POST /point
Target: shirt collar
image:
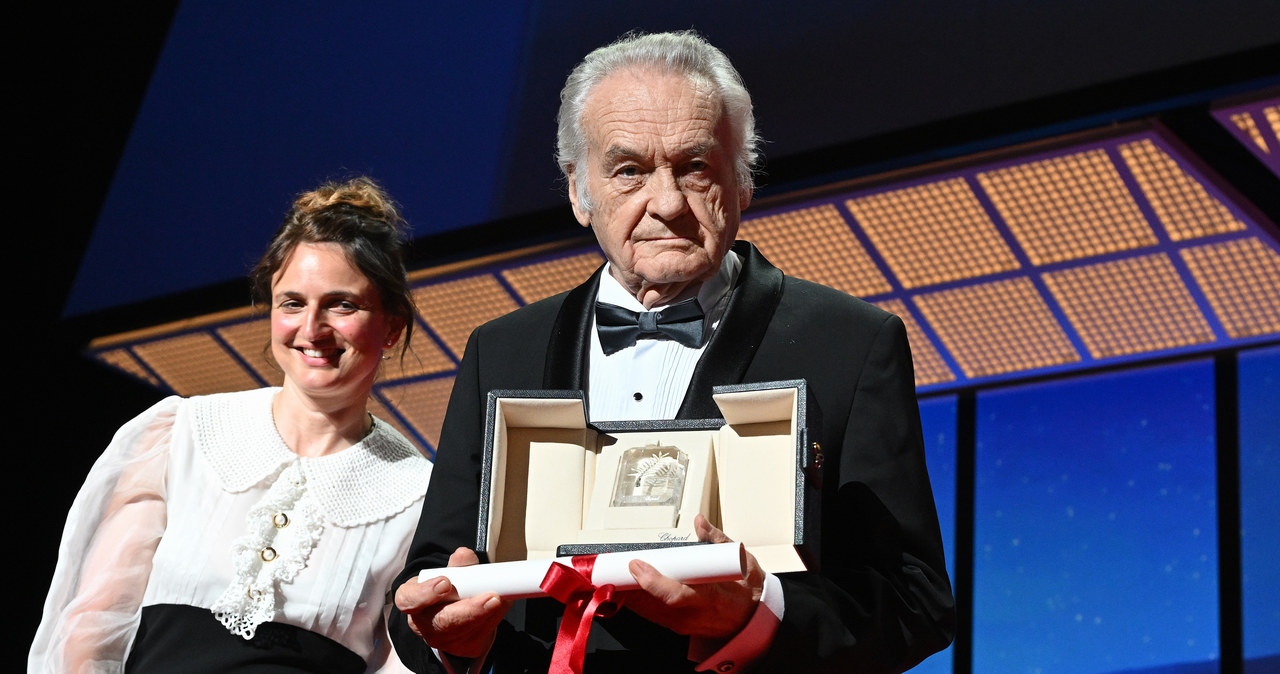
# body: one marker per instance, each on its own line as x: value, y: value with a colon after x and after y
x: 710, y: 295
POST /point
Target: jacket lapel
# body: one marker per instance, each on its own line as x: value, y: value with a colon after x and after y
x: 567, y: 348
x: 739, y: 335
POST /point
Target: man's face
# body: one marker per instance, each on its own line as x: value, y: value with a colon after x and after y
x: 660, y: 174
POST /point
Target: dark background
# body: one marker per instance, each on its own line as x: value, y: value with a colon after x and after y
x: 842, y: 89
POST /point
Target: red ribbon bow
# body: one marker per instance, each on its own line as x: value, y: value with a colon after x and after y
x: 583, y: 602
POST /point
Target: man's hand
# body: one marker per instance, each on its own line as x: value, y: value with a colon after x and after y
x: 715, y: 611
x: 459, y: 627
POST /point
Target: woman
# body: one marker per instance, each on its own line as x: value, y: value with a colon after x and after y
x: 259, y: 529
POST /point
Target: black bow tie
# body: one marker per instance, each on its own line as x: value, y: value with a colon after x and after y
x: 620, y: 328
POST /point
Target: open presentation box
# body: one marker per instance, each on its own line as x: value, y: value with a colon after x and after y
x: 552, y: 482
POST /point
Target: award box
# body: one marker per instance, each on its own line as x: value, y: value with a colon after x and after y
x: 553, y: 484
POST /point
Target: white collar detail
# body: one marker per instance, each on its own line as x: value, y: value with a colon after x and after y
x: 372, y: 480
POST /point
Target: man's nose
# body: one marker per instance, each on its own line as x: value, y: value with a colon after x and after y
x: 666, y: 200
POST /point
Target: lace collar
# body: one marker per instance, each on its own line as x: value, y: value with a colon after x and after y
x: 374, y: 479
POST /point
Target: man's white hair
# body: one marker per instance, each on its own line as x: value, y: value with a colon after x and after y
x: 685, y: 53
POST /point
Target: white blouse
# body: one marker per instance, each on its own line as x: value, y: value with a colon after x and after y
x: 199, y: 502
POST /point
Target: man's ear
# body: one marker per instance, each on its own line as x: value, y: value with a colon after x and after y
x: 744, y: 198
x: 583, y: 216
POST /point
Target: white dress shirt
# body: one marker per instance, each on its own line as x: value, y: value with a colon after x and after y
x: 649, y: 381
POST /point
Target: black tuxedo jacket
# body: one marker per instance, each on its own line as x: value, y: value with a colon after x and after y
x: 882, y: 601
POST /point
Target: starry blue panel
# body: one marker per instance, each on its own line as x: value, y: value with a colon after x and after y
x: 1096, y: 524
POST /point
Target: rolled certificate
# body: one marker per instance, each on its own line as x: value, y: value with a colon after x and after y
x: 693, y: 564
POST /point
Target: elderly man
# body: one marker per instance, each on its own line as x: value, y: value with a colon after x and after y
x: 657, y: 140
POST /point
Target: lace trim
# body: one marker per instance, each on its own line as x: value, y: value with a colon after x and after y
x: 283, y: 528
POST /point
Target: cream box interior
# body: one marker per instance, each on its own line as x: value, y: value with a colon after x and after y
x: 552, y: 479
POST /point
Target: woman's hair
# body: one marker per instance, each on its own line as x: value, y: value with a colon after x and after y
x: 684, y: 53
x: 360, y: 216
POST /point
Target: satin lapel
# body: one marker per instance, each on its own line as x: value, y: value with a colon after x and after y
x: 741, y: 331
x: 567, y: 349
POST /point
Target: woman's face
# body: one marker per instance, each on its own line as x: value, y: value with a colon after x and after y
x: 328, y: 329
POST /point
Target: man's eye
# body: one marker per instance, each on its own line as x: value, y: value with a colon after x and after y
x: 697, y: 166
x: 629, y: 171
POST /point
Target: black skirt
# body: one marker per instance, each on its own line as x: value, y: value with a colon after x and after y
x: 190, y: 640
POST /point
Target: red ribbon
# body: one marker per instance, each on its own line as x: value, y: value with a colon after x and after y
x: 583, y: 602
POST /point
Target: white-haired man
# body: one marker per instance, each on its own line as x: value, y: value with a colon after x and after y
x: 657, y: 140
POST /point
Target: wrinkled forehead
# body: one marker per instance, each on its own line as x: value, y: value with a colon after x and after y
x: 647, y: 107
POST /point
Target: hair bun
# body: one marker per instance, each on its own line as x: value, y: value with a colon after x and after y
x: 361, y: 193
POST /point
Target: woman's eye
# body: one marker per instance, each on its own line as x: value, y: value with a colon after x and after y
x: 291, y: 305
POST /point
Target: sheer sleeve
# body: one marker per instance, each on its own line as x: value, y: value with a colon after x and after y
x: 91, y: 613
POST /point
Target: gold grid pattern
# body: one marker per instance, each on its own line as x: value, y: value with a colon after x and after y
x: 817, y: 245
x: 928, y: 364
x: 194, y: 364
x: 1181, y: 203
x: 423, y: 403
x: 423, y: 357
x: 250, y: 340
x: 1068, y: 207
x: 1241, y: 280
x: 1057, y: 210
x: 1135, y: 305
x: 536, y: 281
x: 1244, y: 122
x: 997, y: 328
x: 454, y: 308
x: 124, y: 360
x: 933, y: 233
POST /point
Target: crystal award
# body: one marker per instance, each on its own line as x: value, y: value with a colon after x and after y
x: 652, y: 475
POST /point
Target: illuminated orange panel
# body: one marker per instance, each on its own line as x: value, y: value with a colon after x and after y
x: 121, y: 359
x: 1067, y: 208
x: 423, y: 403
x: 454, y: 308
x: 423, y: 357
x: 1244, y: 122
x: 195, y: 364
x: 933, y: 233
x: 996, y: 328
x: 1241, y: 280
x: 543, y: 279
x: 816, y: 244
x: 1181, y: 203
x: 1129, y: 306
x: 251, y: 340
x: 928, y: 364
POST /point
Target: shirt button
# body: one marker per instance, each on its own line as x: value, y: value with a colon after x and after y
x: 638, y: 396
